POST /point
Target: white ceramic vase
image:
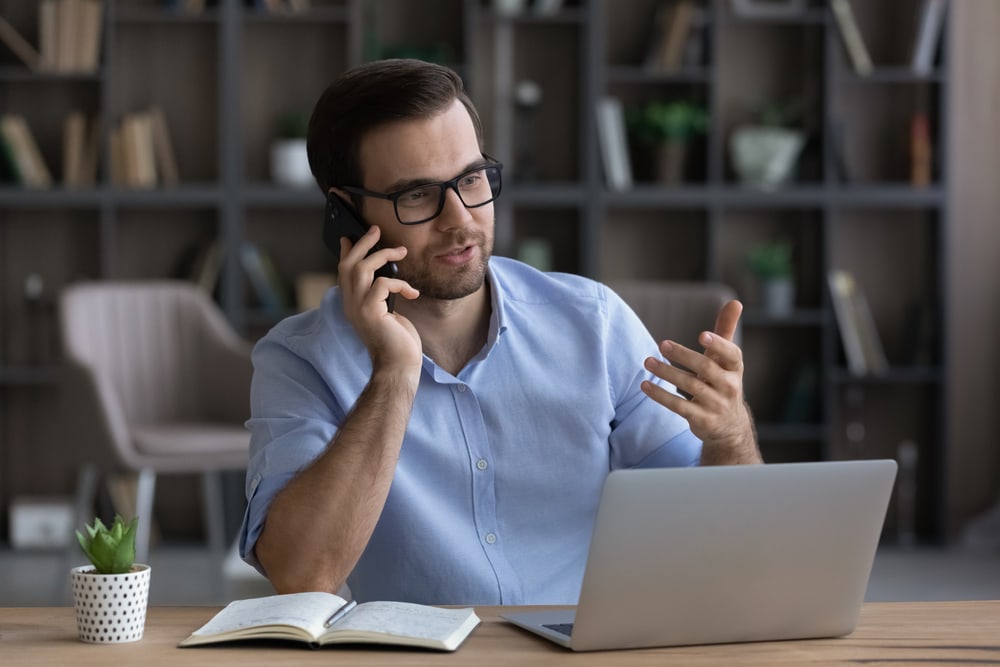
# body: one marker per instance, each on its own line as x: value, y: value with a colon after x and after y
x: 765, y: 157
x: 290, y: 163
x: 110, y: 608
x: 778, y: 295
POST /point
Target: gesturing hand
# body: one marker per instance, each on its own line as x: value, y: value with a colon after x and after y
x: 716, y: 409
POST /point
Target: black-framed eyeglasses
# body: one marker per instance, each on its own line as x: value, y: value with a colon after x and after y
x: 475, y: 187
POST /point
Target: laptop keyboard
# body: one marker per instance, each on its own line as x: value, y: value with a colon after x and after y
x: 563, y: 628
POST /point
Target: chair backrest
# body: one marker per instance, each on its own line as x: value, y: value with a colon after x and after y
x: 147, y: 342
x: 676, y: 310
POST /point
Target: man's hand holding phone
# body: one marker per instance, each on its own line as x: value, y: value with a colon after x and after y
x: 390, y: 338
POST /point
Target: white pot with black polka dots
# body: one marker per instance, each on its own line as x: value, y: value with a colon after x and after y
x: 110, y: 608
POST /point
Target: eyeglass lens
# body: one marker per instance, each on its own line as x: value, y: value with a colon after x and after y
x: 474, y: 188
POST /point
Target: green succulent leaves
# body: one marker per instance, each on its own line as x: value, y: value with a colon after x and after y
x: 110, y: 550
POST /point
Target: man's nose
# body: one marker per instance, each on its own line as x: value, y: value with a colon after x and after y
x: 455, y: 212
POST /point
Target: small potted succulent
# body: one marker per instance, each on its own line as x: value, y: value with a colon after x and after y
x: 666, y: 130
x: 771, y: 264
x: 111, y: 594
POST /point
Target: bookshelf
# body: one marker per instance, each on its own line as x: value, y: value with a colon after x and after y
x: 223, y: 79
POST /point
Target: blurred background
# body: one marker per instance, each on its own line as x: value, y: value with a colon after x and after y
x: 832, y: 162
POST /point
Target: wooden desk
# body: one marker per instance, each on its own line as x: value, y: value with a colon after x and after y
x: 899, y: 632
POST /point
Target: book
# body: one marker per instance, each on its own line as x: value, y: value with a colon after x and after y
x: 677, y: 36
x: 841, y: 286
x: 21, y: 48
x: 88, y: 46
x: 862, y: 344
x: 27, y: 156
x: 613, y: 142
x: 48, y: 34
x: 920, y: 150
x: 263, y: 278
x: 853, y: 42
x: 69, y: 14
x: 74, y: 147
x: 163, y: 147
x: 303, y: 617
x: 871, y: 342
x: 928, y: 35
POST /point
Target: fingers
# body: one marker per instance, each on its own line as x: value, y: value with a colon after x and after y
x: 357, y: 271
x: 728, y: 318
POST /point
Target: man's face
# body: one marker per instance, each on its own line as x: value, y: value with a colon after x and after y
x: 447, y: 256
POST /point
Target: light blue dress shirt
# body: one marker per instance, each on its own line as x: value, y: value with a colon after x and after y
x: 498, y: 479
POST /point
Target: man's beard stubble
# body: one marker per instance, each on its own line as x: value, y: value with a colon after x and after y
x: 450, y: 284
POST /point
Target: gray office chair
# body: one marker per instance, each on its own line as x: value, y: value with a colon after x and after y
x: 156, y: 382
x: 676, y: 310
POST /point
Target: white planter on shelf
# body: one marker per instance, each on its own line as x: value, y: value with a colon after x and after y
x: 765, y: 156
x: 290, y: 163
x: 110, y: 608
x: 778, y: 296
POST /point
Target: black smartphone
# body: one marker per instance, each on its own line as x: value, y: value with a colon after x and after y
x: 342, y: 220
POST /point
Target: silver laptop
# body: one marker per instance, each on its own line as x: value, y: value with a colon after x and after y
x: 725, y: 554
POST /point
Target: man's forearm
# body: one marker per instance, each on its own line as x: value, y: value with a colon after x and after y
x: 318, y: 525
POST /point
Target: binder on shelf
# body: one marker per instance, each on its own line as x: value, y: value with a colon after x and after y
x: 853, y: 42
x: 928, y: 35
x: 614, y: 143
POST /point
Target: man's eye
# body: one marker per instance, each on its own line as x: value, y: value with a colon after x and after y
x: 415, y: 196
x: 471, y: 180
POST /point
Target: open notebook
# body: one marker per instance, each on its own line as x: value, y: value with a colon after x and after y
x: 726, y: 554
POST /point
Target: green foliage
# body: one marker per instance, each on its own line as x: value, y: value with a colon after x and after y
x: 769, y: 261
x: 780, y: 114
x: 110, y: 550
x: 660, y: 122
x: 293, y: 125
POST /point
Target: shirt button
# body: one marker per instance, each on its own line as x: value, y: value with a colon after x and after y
x: 490, y: 538
x: 482, y: 464
x: 461, y: 388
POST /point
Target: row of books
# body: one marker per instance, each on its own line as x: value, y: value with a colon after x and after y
x: 281, y: 6
x: 925, y: 44
x: 202, y: 264
x: 140, y: 149
x: 69, y: 37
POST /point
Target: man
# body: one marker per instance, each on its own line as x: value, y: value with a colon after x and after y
x: 452, y: 450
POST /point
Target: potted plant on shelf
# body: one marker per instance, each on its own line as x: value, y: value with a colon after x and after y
x: 771, y: 264
x: 110, y: 595
x: 666, y: 130
x: 764, y: 153
x: 289, y: 159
